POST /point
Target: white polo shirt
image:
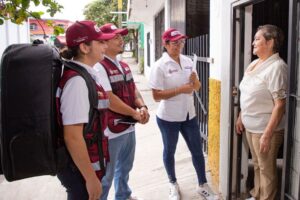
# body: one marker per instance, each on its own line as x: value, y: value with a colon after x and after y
x: 104, y: 80
x: 259, y: 88
x: 167, y: 74
x: 74, y: 99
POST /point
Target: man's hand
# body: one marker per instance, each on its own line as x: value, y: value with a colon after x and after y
x: 137, y: 116
x: 144, y: 115
x: 94, y: 188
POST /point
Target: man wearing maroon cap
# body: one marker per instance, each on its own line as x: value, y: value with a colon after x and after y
x: 126, y: 104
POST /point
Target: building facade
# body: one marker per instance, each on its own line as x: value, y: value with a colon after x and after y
x: 13, y: 34
x: 39, y: 29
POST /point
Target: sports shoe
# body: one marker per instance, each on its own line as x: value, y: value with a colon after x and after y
x: 250, y: 198
x: 206, y: 192
x: 133, y: 198
x: 174, y: 193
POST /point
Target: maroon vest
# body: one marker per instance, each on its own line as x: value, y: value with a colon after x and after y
x: 123, y: 86
x: 92, y: 145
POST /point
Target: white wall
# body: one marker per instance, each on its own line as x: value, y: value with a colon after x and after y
x: 220, y: 48
x: 12, y: 34
x: 216, y: 36
x: 149, y: 26
x: 146, y: 15
x: 167, y: 14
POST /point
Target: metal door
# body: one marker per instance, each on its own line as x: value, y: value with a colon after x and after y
x: 291, y: 168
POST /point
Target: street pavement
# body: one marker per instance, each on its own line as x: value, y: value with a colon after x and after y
x: 148, y: 179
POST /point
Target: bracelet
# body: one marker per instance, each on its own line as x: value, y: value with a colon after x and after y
x: 143, y: 106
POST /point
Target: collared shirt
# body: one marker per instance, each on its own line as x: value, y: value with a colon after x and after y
x: 168, y: 74
x: 102, y: 75
x: 75, y: 104
x: 104, y: 80
x: 259, y: 88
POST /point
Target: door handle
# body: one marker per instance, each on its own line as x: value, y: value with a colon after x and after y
x: 234, y: 91
x: 295, y: 96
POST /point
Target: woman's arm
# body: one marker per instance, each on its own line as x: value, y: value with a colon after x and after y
x: 168, y: 93
x: 73, y: 136
x: 139, y: 102
x: 195, y: 81
x: 118, y: 106
x: 275, y: 119
x: 239, y: 126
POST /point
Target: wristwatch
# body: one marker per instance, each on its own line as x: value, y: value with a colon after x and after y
x: 143, y: 106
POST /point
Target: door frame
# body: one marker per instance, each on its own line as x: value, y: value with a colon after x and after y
x: 238, y: 14
x: 294, y: 10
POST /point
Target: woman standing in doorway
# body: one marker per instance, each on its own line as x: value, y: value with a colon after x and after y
x: 173, y: 81
x: 263, y: 95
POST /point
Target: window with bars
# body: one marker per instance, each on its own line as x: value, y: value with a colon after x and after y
x: 159, y: 29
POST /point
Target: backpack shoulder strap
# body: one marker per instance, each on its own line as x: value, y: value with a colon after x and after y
x: 92, y: 91
x: 94, y: 113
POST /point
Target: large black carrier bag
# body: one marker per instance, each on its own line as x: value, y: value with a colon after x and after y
x: 31, y: 141
x: 28, y: 134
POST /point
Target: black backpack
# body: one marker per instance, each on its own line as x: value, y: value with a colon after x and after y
x: 29, y: 131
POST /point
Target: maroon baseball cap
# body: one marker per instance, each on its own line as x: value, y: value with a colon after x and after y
x: 112, y: 29
x: 85, y: 31
x: 172, y: 34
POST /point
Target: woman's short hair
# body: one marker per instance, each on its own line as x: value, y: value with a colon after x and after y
x: 164, y: 48
x: 272, y: 32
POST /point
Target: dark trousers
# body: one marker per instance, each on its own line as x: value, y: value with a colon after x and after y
x: 72, y: 180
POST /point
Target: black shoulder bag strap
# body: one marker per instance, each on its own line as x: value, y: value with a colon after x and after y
x: 94, y: 113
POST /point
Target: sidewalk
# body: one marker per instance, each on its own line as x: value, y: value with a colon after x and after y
x: 147, y: 179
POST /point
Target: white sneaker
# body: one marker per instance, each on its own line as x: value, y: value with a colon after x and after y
x: 174, y: 193
x: 251, y: 198
x: 206, y: 192
x: 133, y: 198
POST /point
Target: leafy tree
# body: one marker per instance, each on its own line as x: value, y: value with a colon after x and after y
x: 99, y: 11
x: 17, y: 11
